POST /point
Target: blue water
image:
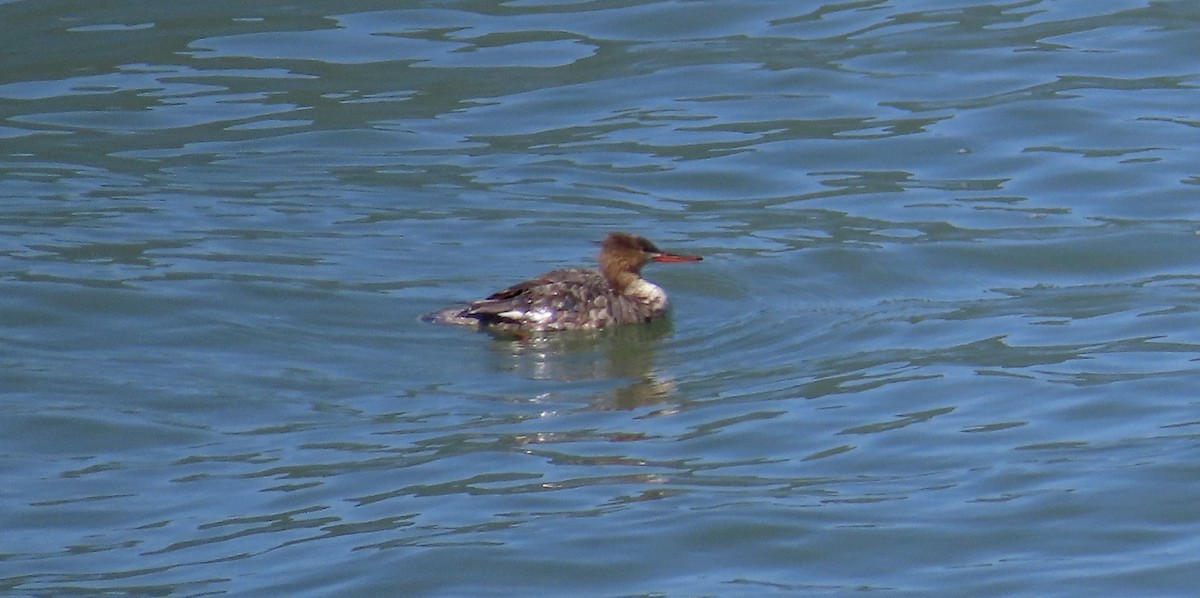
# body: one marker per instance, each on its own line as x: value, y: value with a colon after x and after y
x: 943, y: 340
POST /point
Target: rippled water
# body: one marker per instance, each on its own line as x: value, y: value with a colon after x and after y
x: 943, y: 341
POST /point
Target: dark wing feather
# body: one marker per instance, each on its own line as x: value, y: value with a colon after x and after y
x: 516, y: 298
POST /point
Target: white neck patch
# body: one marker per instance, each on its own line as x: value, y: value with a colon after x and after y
x: 648, y: 293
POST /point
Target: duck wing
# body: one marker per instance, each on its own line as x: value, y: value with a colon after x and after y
x: 552, y: 300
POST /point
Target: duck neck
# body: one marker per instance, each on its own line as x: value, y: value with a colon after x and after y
x: 618, y: 274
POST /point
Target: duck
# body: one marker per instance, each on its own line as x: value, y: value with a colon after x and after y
x: 576, y: 298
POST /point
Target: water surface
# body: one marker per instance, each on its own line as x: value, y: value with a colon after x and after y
x: 941, y: 343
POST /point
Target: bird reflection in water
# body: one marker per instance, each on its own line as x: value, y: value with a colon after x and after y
x: 623, y: 352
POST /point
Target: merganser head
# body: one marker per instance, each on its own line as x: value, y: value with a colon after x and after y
x: 622, y: 256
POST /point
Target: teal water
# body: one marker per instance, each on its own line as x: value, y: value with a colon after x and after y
x: 943, y: 340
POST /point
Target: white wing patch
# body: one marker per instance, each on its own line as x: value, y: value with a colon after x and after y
x: 536, y: 316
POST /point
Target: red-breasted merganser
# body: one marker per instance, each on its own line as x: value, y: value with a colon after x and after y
x: 576, y: 298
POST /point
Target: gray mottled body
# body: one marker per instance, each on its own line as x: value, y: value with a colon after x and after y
x: 566, y: 299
